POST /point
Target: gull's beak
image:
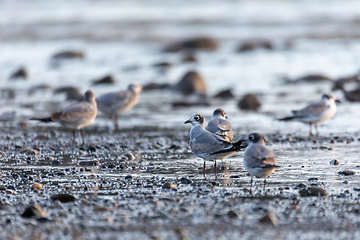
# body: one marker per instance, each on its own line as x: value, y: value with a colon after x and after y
x: 187, y: 121
x: 337, y: 101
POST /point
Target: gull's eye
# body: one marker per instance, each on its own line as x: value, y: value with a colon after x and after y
x: 197, y: 118
x: 252, y: 137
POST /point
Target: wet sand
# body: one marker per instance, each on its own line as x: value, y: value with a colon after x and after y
x: 118, y: 182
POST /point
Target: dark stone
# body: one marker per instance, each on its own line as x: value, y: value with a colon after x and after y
x: 156, y: 86
x: 250, y: 45
x: 232, y: 214
x: 309, y: 78
x: 128, y: 177
x: 34, y: 211
x: 21, y: 73
x: 185, y: 180
x: 313, y: 191
x: 89, y: 163
x: 249, y: 102
x: 55, y: 163
x: 163, y: 64
x: 191, y: 83
x: 225, y: 94
x: 197, y: 43
x: 68, y: 55
x: 91, y: 149
x: 105, y: 80
x: 347, y: 173
x: 63, y: 197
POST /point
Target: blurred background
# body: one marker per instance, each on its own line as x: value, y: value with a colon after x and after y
x: 286, y: 53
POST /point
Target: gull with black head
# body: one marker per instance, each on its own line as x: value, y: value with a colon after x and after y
x: 207, y: 145
x: 315, y: 113
x: 259, y: 161
x: 220, y: 125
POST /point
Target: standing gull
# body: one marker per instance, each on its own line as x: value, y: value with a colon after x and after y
x: 208, y: 145
x: 114, y: 103
x: 316, y: 112
x: 259, y: 161
x: 220, y: 125
x: 76, y: 116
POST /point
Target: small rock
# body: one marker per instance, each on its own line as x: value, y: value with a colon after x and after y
x: 163, y: 64
x: 156, y: 86
x: 225, y: 94
x: 168, y: 185
x: 68, y: 55
x: 313, y: 191
x: 268, y: 218
x: 313, y: 179
x: 197, y: 43
x: 250, y: 45
x: 41, y: 137
x: 128, y: 177
x: 105, y: 80
x: 34, y: 211
x: 191, y: 83
x: 334, y: 162
x: 232, y: 214
x: 309, y: 78
x: 129, y: 156
x: 55, y: 163
x: 2, y: 187
x: 20, y: 73
x: 63, y: 197
x: 36, y: 186
x: 249, y: 102
x: 189, y: 57
x: 89, y: 163
x: 347, y: 173
x: 185, y: 180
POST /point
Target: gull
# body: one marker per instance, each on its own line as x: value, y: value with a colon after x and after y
x: 259, y: 161
x: 207, y: 145
x: 76, y: 116
x: 220, y: 126
x: 114, y: 103
x: 315, y: 113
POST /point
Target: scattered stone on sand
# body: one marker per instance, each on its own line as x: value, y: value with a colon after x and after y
x: 72, y: 93
x: 63, y: 197
x: 249, y: 102
x: 128, y: 177
x: 225, y: 94
x: 313, y: 191
x: 34, y: 211
x: 37, y: 186
x: 55, y: 163
x: 29, y: 151
x: 347, y: 173
x: 334, y: 162
x: 308, y: 78
x: 68, y: 55
x: 194, y: 100
x: 156, y: 86
x: 163, y: 64
x: 41, y: 137
x: 268, y: 218
x: 191, y: 83
x: 250, y: 45
x: 20, y: 73
x: 105, y: 80
x: 197, y: 43
x: 3, y: 187
x: 129, y: 156
x: 168, y: 185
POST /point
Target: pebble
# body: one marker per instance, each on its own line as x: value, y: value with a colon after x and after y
x: 185, y: 180
x: 129, y: 156
x: 36, y: 186
x: 89, y: 163
x: 313, y: 191
x: 168, y: 185
x: 55, y: 163
x: 20, y: 73
x: 334, y: 162
x: 232, y: 214
x: 249, y: 102
x: 225, y: 94
x: 105, y: 80
x: 191, y: 83
x: 196, y: 43
x: 68, y: 55
x: 347, y: 173
x: 250, y: 45
x: 63, y: 197
x: 268, y: 218
x: 34, y: 211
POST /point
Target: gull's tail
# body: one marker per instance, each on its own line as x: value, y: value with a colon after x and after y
x: 47, y: 119
x: 236, y: 146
